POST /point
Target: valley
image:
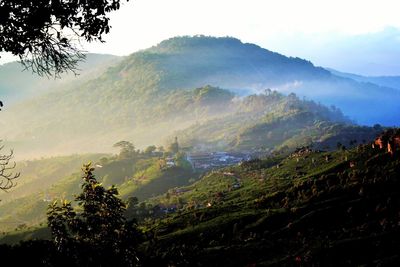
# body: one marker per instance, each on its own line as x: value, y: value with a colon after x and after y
x: 213, y: 151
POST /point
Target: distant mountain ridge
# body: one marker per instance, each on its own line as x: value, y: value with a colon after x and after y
x: 190, y: 62
x: 385, y: 81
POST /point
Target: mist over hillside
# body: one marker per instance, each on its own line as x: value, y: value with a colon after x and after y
x: 152, y: 93
x: 384, y: 81
x: 274, y: 122
x: 18, y: 84
x: 273, y: 141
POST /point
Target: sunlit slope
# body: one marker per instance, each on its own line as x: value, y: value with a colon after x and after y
x: 313, y: 208
x: 274, y: 122
x: 91, y: 120
x: 44, y: 181
x: 150, y: 93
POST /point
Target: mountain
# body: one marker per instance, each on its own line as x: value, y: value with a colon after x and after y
x: 187, y: 62
x: 102, y: 119
x: 17, y: 84
x: 385, y: 81
x: 151, y: 94
x: 273, y: 122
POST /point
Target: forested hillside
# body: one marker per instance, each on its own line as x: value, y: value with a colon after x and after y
x: 152, y: 93
x: 273, y: 122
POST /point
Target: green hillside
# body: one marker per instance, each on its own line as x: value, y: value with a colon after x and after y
x: 272, y: 122
x: 151, y: 93
x: 145, y: 119
x: 262, y: 124
x: 43, y: 181
x: 207, y: 116
x: 38, y: 184
x: 41, y: 174
x: 308, y: 209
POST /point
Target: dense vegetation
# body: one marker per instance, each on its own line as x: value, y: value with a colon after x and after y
x: 306, y: 208
x: 272, y: 122
x: 140, y: 174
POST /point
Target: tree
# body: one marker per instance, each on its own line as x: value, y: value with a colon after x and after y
x: 100, y: 229
x: 339, y: 145
x: 127, y: 149
x: 150, y: 149
x: 131, y: 207
x: 377, y: 127
x: 181, y: 161
x: 44, y: 34
x: 7, y: 177
x: 267, y: 92
x: 174, y: 147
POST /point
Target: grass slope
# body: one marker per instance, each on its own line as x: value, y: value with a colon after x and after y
x: 59, y: 178
x: 323, y: 209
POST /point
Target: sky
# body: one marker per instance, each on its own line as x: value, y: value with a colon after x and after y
x: 303, y: 28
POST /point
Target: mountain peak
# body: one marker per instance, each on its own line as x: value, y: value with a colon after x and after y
x: 197, y: 41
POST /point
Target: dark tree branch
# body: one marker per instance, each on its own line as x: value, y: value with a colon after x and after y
x: 7, y: 177
x: 44, y: 34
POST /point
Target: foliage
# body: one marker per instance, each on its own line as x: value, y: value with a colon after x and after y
x: 210, y: 94
x: 150, y: 149
x: 309, y: 209
x: 174, y: 147
x: 269, y: 122
x: 100, y: 226
x: 127, y: 150
x: 43, y: 34
x: 47, y: 179
x: 181, y: 161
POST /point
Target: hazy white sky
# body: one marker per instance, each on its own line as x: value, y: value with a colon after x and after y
x: 142, y: 23
x: 285, y: 26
